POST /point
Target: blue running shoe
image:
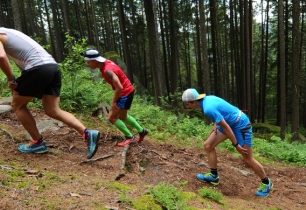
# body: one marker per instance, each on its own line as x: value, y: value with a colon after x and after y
x: 209, y: 178
x: 264, y: 189
x: 92, y: 137
x: 33, y: 148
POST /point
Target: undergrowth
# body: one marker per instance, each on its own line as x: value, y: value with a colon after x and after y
x: 83, y: 90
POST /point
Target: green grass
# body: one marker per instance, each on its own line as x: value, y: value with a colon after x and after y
x: 17, y: 178
x: 123, y: 190
x: 170, y: 197
x: 146, y: 202
x: 118, y: 186
x: 276, y: 150
x: 211, y: 194
x: 282, y: 151
x: 168, y: 127
x: 13, y: 178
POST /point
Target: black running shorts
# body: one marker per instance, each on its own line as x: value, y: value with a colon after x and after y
x: 39, y: 81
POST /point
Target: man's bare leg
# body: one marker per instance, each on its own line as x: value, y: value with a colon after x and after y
x: 19, y: 104
x: 53, y: 110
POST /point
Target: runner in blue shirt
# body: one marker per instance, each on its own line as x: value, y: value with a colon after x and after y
x: 229, y: 122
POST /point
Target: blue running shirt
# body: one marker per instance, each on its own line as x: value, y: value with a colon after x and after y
x: 218, y: 109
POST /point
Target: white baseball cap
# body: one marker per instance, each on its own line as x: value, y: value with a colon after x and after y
x: 92, y: 54
x: 192, y: 94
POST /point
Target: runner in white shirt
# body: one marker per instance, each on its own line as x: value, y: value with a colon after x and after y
x: 40, y: 78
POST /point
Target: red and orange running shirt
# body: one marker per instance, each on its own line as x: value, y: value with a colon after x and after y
x: 124, y: 80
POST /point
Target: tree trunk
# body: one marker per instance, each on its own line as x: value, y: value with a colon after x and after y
x: 225, y: 50
x: 287, y: 60
x: 247, y: 56
x: 217, y: 61
x: 154, y: 46
x: 50, y: 29
x: 241, y: 76
x: 303, y: 66
x: 281, y: 61
x: 163, y: 32
x: 78, y: 18
x: 90, y: 26
x: 57, y: 33
x: 198, y: 53
x: 16, y: 15
x: 66, y: 18
x: 296, y: 37
x: 263, y: 64
x: 233, y: 52
x: 124, y: 35
x: 238, y: 56
x: 94, y: 23
x: 174, y: 57
x: 205, y: 76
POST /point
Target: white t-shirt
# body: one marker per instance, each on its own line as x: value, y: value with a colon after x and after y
x: 25, y: 52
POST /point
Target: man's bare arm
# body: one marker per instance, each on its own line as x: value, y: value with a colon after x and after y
x: 4, y: 63
x: 116, y: 84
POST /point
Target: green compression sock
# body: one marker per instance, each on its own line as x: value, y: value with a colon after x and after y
x: 122, y: 127
x: 132, y: 122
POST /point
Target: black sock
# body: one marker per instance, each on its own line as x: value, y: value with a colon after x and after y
x: 265, y: 180
x: 40, y: 140
x: 214, y: 171
x: 85, y: 134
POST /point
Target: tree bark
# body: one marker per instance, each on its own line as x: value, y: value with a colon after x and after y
x: 296, y: 37
x: 154, y: 46
x: 174, y: 57
x: 163, y: 31
x: 281, y: 46
x: 218, y: 82
x: 16, y: 15
x: 247, y: 56
x: 50, y: 29
x: 205, y: 77
x: 124, y: 35
x: 57, y: 33
x: 66, y: 18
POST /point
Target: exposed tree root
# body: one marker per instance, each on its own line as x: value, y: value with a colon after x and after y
x: 123, y: 163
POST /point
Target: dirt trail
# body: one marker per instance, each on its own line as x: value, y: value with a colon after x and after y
x: 148, y: 163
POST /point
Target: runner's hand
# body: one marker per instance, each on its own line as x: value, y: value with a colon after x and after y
x: 241, y: 150
x: 12, y: 84
x: 114, y: 106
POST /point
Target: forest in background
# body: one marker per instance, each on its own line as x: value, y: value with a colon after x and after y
x: 219, y: 47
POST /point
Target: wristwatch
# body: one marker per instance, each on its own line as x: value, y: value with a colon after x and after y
x: 235, y: 145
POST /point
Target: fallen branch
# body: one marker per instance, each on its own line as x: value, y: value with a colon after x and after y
x: 123, y: 155
x: 123, y: 163
x: 97, y: 159
x: 153, y: 151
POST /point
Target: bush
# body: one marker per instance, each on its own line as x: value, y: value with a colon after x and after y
x: 282, y: 150
x: 81, y: 90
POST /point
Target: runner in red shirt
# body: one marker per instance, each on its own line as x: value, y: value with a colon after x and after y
x: 123, y: 95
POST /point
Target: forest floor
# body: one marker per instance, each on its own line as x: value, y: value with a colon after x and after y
x: 62, y: 179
